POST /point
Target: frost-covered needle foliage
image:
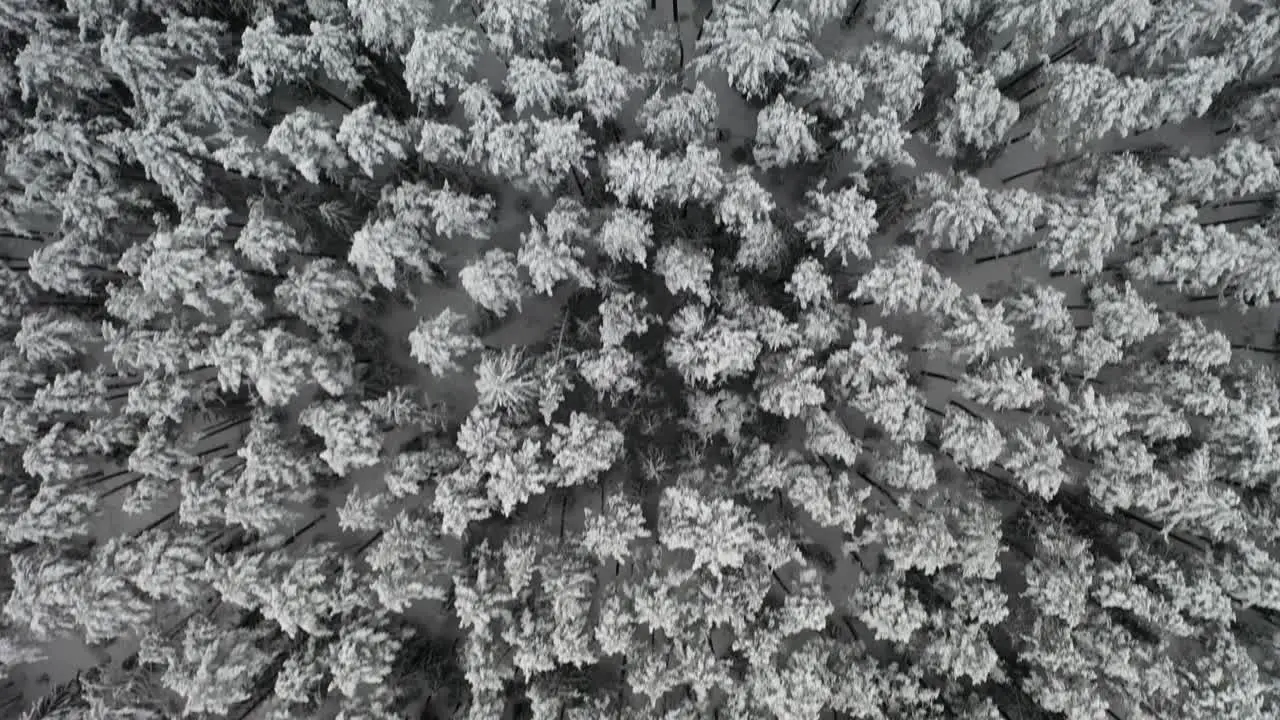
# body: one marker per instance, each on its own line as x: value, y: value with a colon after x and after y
x: 639, y: 359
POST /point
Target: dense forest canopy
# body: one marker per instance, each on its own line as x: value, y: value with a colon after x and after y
x: 584, y: 359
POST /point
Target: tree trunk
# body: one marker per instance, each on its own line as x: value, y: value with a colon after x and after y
x: 968, y: 411
x: 564, y: 509
x: 577, y: 179
x: 106, y: 478
x: 1028, y: 93
x: 1203, y: 298
x: 223, y: 427
x: 365, y: 545
x: 262, y: 697
x: 294, y: 537
x: 702, y: 27
x: 939, y: 376
x: 877, y: 486
x: 156, y: 524
x: 120, y: 487
x: 1066, y: 50
x: 322, y: 90
x: 1031, y: 171
x: 1255, y: 348
x: 1232, y: 221
x: 1012, y: 253
x: 780, y: 582
x: 852, y: 16
x: 211, y: 451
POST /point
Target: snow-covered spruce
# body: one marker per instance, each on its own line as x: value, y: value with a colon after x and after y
x: 578, y: 359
